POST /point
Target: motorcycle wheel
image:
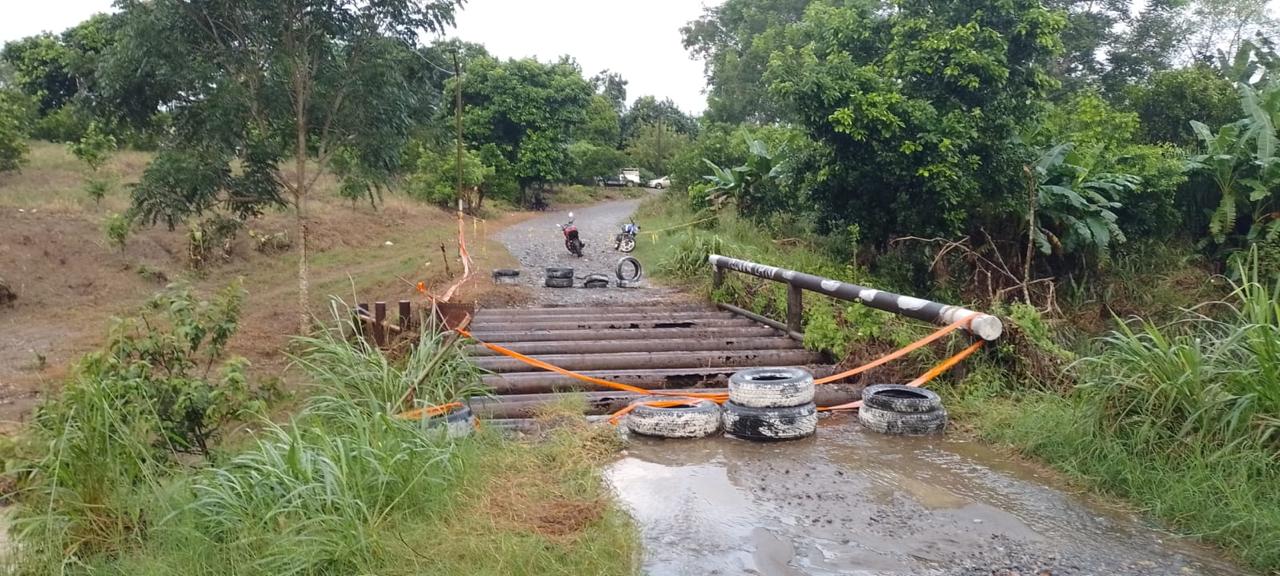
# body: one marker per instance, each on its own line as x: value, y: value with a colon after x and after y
x: 627, y: 244
x: 576, y: 249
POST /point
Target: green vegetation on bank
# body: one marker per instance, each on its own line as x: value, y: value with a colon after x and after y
x: 125, y: 472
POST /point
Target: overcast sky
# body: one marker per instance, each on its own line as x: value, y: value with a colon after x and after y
x: 638, y: 38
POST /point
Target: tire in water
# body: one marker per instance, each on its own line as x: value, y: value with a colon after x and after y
x: 767, y: 424
x: 700, y: 418
x: 907, y: 423
x: 899, y: 398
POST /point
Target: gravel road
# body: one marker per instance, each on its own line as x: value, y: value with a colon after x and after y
x: 538, y: 244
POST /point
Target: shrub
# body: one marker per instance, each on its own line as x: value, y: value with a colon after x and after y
x: 1175, y: 96
x: 121, y: 421
x: 117, y: 228
x: 15, y: 114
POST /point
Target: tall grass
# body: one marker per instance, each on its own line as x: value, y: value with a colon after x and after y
x: 348, y: 371
x: 1180, y: 418
x: 344, y: 488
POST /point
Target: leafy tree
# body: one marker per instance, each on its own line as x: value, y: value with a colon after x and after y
x: 1222, y: 26
x: 263, y: 80
x: 735, y: 40
x: 1173, y: 97
x: 613, y: 88
x: 42, y: 69
x: 655, y: 146
x: 917, y: 109
x: 591, y: 161
x: 529, y: 111
x: 15, y: 120
x: 603, y: 126
x: 1148, y: 45
x: 434, y: 178
x: 649, y: 111
x: 1092, y: 28
x: 753, y: 186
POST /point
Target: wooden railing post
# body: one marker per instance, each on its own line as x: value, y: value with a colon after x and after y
x: 406, y: 316
x: 379, y: 329
x: 795, y: 308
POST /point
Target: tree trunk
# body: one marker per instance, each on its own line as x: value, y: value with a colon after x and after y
x: 300, y: 213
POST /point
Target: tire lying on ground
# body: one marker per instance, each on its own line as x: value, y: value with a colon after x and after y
x: 506, y: 276
x: 636, y: 270
x: 596, y: 281
x: 909, y: 423
x: 696, y: 419
x: 559, y: 273
x: 899, y: 398
x: 559, y: 282
x: 456, y: 423
x: 785, y: 423
x: 771, y: 387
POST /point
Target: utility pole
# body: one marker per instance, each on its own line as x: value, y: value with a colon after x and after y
x: 661, y: 152
x: 457, y: 120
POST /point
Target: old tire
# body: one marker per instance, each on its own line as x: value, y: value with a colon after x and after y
x: 701, y: 418
x: 770, y: 423
x: 636, y: 270
x: 559, y: 283
x: 456, y: 423
x: 596, y: 281
x: 909, y: 423
x: 559, y: 273
x: 771, y: 387
x: 901, y: 399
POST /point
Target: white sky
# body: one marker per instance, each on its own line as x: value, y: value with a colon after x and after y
x: 639, y: 39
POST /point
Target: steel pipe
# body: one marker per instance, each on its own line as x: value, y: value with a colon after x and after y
x: 640, y: 360
x: 505, y: 336
x: 649, y: 345
x: 651, y: 379
x: 606, y: 324
x: 984, y: 326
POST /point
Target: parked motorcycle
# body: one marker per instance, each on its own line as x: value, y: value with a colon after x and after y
x: 571, y: 240
x: 626, y: 241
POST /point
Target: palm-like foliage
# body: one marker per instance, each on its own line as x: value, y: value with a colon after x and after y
x: 1074, y: 204
x: 744, y: 184
x: 1241, y: 158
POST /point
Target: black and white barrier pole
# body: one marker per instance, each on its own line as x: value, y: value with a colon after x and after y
x: 984, y: 326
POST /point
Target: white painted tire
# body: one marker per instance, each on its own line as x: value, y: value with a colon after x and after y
x: 786, y: 423
x: 771, y: 387
x: 906, y: 423
x: 695, y: 421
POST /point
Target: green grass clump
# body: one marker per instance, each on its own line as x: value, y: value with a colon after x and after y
x: 345, y: 487
x: 1182, y: 419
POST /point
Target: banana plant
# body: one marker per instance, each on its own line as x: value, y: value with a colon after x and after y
x: 1241, y: 158
x: 741, y: 183
x: 1074, y: 204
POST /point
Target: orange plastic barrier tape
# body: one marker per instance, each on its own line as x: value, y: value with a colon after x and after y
x: 429, y: 411
x: 912, y: 347
x: 923, y: 379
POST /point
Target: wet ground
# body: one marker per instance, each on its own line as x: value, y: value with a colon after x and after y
x: 850, y: 501
x: 538, y: 244
x: 846, y: 501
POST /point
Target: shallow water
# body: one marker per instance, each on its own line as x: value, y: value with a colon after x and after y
x: 850, y: 501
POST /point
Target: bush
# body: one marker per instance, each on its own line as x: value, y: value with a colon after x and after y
x: 66, y: 124
x: 15, y: 116
x: 591, y: 161
x: 1173, y: 97
x: 123, y: 419
x: 117, y: 228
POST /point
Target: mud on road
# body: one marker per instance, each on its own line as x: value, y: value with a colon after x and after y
x: 538, y: 244
x: 849, y: 501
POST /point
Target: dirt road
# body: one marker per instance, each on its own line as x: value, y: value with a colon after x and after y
x: 846, y: 501
x: 849, y: 501
x: 538, y: 244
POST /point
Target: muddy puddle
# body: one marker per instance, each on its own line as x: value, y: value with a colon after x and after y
x: 855, y: 502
